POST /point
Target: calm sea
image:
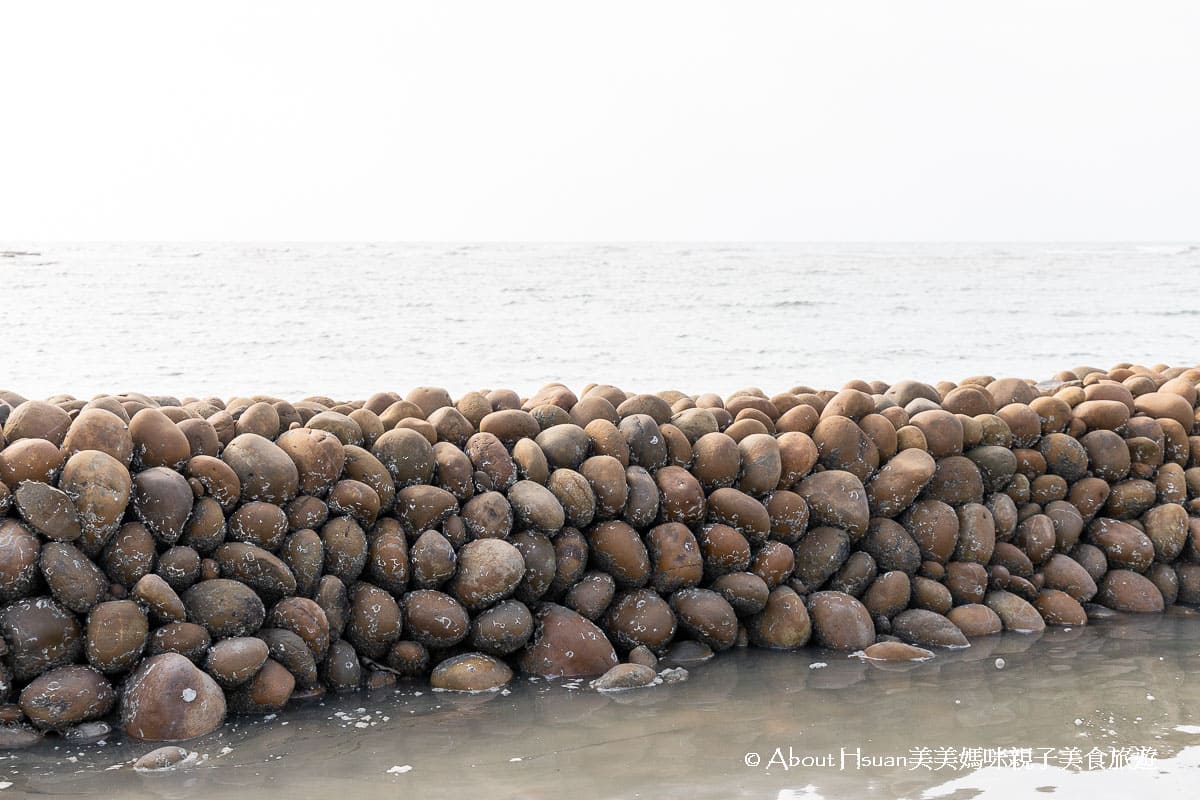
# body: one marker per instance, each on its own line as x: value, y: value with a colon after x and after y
x: 350, y: 319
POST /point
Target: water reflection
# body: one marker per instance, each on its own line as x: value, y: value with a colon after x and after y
x: 1119, y: 683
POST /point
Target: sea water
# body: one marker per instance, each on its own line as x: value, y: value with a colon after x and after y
x: 347, y: 320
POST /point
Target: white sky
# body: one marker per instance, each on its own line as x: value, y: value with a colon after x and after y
x: 603, y: 121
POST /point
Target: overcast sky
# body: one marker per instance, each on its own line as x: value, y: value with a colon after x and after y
x: 603, y: 121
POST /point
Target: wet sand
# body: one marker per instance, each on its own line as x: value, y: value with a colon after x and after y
x: 1124, y: 683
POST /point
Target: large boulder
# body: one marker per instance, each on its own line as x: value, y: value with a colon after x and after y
x: 168, y: 699
x: 566, y: 645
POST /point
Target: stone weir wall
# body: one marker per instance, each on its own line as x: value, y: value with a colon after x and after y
x: 173, y: 561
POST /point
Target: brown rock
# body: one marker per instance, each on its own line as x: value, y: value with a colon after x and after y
x: 897, y: 484
x: 1125, y: 546
x: 784, y: 622
x: 157, y: 441
x: 156, y: 594
x: 920, y: 627
x: 575, y: 495
x: 262, y: 524
x: 433, y: 561
x: 233, y: 662
x: 640, y: 617
x: 435, y: 619
x: 840, y: 622
x: 967, y: 581
x: 488, y: 516
x: 102, y: 431
x: 1167, y: 528
x: 162, y: 500
x: 1059, y: 608
x: 67, y: 696
x: 888, y: 594
x: 1015, y: 613
x: 706, y: 616
x: 625, y: 676
x: 40, y: 635
x: 264, y: 470
x: 592, y: 595
x: 266, y: 692
x: 34, y: 419
x: 470, y: 672
x: 503, y: 629
x: 341, y: 670
x: 817, y: 556
x: 746, y: 592
x: 534, y: 506
x: 896, y: 651
x: 117, y: 632
x: 717, y: 460
x: 293, y: 653
x: 225, y: 607
x: 930, y: 595
x: 169, y: 699
x: 617, y: 549
x: 304, y: 554
x: 19, y: 551
x: 47, y: 510
x: 375, y: 620
x: 565, y: 645
x: 29, y: 460
x: 1065, y: 574
x: 682, y: 496
x: 975, y: 619
x: 318, y: 456
x: 489, y: 570
x: 837, y: 499
x: 890, y: 545
x: 1124, y: 590
x: 346, y: 548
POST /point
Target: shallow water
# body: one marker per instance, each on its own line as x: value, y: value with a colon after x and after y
x: 352, y: 319
x: 1125, y: 683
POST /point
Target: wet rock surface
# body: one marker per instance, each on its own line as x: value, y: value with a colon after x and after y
x: 156, y: 553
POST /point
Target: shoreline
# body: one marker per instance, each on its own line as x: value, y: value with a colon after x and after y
x: 746, y: 700
x: 188, y: 559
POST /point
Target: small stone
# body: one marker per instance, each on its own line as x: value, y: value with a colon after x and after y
x: 1016, y: 614
x: 164, y: 758
x: 624, y: 676
x: 87, y: 732
x: 470, y: 672
x: 894, y: 651
x: 673, y: 675
x: 643, y: 655
x: 18, y: 737
x: 688, y: 652
x: 920, y: 627
x: 67, y: 696
x: 234, y: 661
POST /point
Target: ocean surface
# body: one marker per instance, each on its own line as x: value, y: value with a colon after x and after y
x: 347, y: 320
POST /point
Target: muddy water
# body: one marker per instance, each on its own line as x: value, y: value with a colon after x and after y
x: 840, y: 731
